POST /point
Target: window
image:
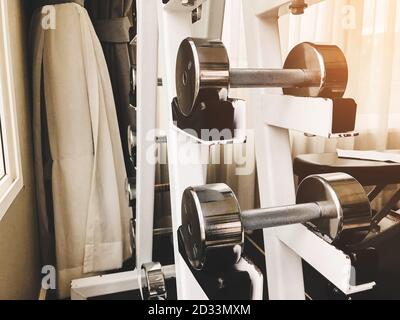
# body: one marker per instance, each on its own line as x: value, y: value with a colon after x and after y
x: 10, y: 160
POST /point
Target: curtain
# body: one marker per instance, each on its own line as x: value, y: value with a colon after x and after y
x: 368, y: 31
x: 79, y: 166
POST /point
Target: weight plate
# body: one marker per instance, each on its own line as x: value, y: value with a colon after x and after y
x: 211, y: 227
x: 352, y: 206
x: 329, y: 60
x: 201, y: 64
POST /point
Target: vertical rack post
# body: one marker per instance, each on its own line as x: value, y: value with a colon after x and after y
x: 175, y: 25
x: 147, y: 72
x: 273, y: 153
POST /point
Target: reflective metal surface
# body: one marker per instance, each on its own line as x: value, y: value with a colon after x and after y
x: 351, y: 204
x: 211, y: 227
x: 201, y: 64
x: 310, y: 70
x: 273, y: 78
x: 155, y: 288
x: 328, y: 60
x: 335, y: 206
x: 131, y: 141
x: 280, y: 216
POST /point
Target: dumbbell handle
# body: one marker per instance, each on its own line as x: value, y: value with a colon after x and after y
x: 274, y: 78
x: 280, y: 216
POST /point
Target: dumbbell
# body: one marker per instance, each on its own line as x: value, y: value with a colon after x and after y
x: 334, y: 206
x: 154, y: 287
x: 310, y: 70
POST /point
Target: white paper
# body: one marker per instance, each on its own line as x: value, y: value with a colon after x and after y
x: 369, y: 155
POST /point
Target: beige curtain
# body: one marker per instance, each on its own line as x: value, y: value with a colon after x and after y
x: 368, y: 31
x: 79, y: 165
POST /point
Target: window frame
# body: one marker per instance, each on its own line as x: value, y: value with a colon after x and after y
x: 12, y: 182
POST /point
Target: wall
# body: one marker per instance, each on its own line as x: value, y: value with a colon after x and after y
x: 19, y: 251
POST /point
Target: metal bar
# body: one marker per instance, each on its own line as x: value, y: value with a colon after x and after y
x: 281, y: 216
x: 386, y: 209
x: 169, y: 272
x: 160, y: 188
x: 85, y: 288
x: 162, y: 231
x: 374, y: 192
x: 274, y: 78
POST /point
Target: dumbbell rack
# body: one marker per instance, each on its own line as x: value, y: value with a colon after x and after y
x: 274, y: 115
x: 175, y: 23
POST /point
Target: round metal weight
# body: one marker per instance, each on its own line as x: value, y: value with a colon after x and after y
x: 201, y: 63
x: 329, y: 60
x: 352, y: 206
x: 154, y: 288
x: 131, y: 141
x: 211, y: 227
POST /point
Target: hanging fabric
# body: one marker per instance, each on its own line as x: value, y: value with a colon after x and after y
x: 113, y: 21
x: 77, y: 149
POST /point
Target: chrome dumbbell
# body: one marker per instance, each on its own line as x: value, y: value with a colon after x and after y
x: 335, y: 206
x: 154, y: 286
x: 310, y: 70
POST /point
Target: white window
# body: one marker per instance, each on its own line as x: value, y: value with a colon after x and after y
x: 10, y: 159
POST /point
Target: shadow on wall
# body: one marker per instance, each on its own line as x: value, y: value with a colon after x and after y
x: 19, y: 249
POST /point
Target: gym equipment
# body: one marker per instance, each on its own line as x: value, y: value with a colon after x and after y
x: 335, y: 206
x: 149, y: 279
x: 154, y: 288
x: 274, y: 115
x: 310, y: 70
x: 385, y: 223
x: 274, y: 161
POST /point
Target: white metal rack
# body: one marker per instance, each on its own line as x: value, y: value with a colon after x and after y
x: 274, y: 115
x: 175, y: 25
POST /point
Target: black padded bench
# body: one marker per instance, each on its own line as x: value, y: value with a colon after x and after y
x: 368, y: 173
